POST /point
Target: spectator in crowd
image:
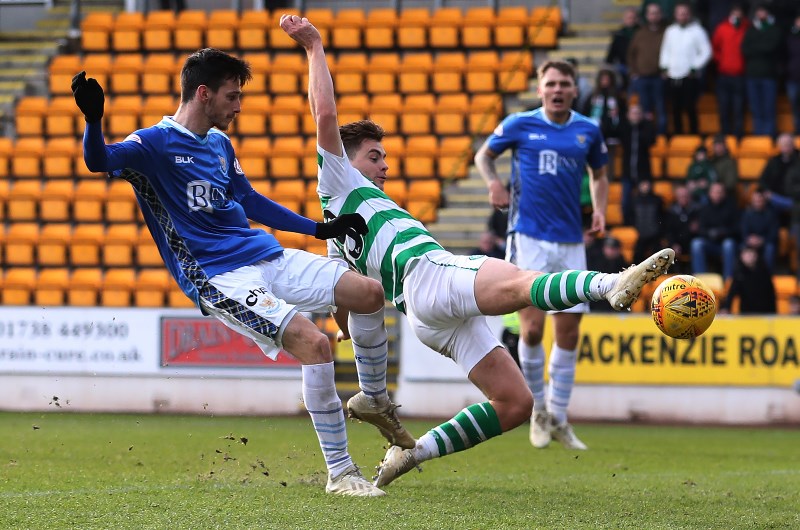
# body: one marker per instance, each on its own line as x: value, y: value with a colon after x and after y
x: 773, y: 177
x: 608, y: 259
x: 487, y: 246
x: 173, y: 5
x: 605, y: 107
x: 617, y: 55
x: 751, y: 284
x: 497, y: 225
x: 725, y: 166
x: 648, y: 219
x: 759, y: 228
x: 667, y: 7
x: 645, y: 76
x: 636, y: 136
x: 685, y: 51
x: 792, y: 190
x: 794, y: 305
x: 727, y: 49
x: 700, y: 175
x: 717, y: 232
x: 682, y: 225
x: 583, y: 84
x: 761, y: 49
x: 719, y: 10
x: 793, y: 71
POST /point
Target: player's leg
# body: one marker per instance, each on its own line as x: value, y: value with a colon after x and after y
x: 563, y: 357
x: 532, y: 359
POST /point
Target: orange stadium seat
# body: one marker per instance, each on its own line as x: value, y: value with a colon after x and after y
x: 477, y: 29
x: 98, y: 66
x: 90, y: 195
x: 253, y: 119
x: 415, y: 116
x: 6, y: 150
x: 55, y: 204
x: 614, y: 214
x: 680, y: 150
x: 352, y: 107
x: 481, y: 75
x: 18, y: 286
x: 382, y: 73
x: 444, y: 28
x: 348, y: 29
x: 158, y: 73
x: 349, y: 73
x: 51, y: 287
x: 147, y: 254
x: 397, y: 190
x: 380, y: 27
x: 30, y: 113
x: 414, y: 74
x: 289, y: 192
x: 117, y: 288
x: 222, y: 26
x: 86, y: 242
x: 412, y: 27
x: 510, y: 27
x: 285, y: 115
x: 120, y: 204
x: 514, y: 71
x: 278, y: 39
x: 95, y: 31
x: 455, y: 156
x: 253, y: 154
x: 484, y: 113
x: 309, y: 162
x: 540, y: 36
x: 284, y: 163
x: 424, y: 210
x: 190, y: 30
x: 754, y: 153
x: 125, y: 74
x: 57, y: 161
x: 254, y: 28
x: 395, y: 147
x: 127, y: 32
x: 313, y: 210
x: 4, y: 187
x: 122, y: 115
x: 384, y: 110
x: 177, y: 298
x: 260, y: 66
x: 420, y: 159
x: 323, y: 20
x: 61, y: 71
x: 155, y: 108
x: 159, y: 28
x: 62, y: 116
x: 21, y: 242
x: 54, y: 240
x: 546, y: 16
x: 26, y: 162
x: 663, y: 188
x: 627, y: 236
x: 448, y: 72
x: 151, y: 287
x: 287, y: 70
x: 84, y: 286
x: 118, y: 245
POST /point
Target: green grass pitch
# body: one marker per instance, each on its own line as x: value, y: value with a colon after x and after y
x: 86, y: 471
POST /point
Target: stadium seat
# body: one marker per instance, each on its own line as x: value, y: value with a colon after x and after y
x: 86, y: 242
x: 222, y: 26
x: 3, y: 203
x: 284, y: 77
x: 785, y: 286
x: 260, y: 66
x: 379, y: 28
x: 255, y: 116
x: 395, y: 147
x: 313, y: 210
x: 614, y: 214
x: 481, y: 75
x: 455, y: 157
x: 98, y: 66
x: 51, y: 287
x: 448, y: 118
x: 125, y: 74
x: 663, y: 188
x: 323, y: 20
x: 546, y: 16
x: 352, y: 107
x: 278, y: 39
x: 177, y: 299
x: 61, y: 117
x: 415, y: 117
x: 84, y: 286
x: 382, y: 73
x: 155, y: 108
x: 54, y: 240
x: 680, y: 150
x: 56, y: 201
x: 444, y: 28
x: 627, y: 236
x: 21, y: 239
x: 448, y: 73
x: 412, y: 28
x: 397, y: 190
x: 309, y: 167
x: 347, y: 29
x: 484, y: 113
x: 349, y: 73
x: 290, y: 193
x: 61, y: 71
x: 126, y: 35
x: 285, y: 115
x: 384, y: 110
x: 615, y: 192
x: 29, y: 116
x: 542, y: 36
x: 254, y: 28
x: 18, y: 286
x: 118, y: 245
x: 159, y: 28
x: 419, y: 163
x: 90, y: 196
x: 284, y: 163
x: 147, y: 254
x: 57, y: 162
x: 23, y: 201
x: 714, y: 281
x: 26, y: 162
x: 754, y: 153
x: 190, y: 30
x: 252, y: 155
x: 424, y: 210
x: 514, y: 71
x: 120, y: 204
x: 95, y: 30
x: 151, y: 287
x: 122, y: 115
x: 477, y: 29
x: 158, y: 72
x: 414, y: 74
x: 6, y: 151
x: 510, y: 27
x: 118, y: 285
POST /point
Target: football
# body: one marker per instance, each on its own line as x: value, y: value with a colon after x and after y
x: 683, y: 307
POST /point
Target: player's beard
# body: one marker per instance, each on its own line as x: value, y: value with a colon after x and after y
x: 218, y: 119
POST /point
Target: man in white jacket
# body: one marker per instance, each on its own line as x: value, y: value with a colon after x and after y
x: 685, y: 51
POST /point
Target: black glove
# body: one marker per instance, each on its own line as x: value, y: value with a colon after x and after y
x: 89, y: 97
x: 340, y: 226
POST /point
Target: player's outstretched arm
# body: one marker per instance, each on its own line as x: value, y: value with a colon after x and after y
x: 90, y: 99
x: 320, y: 84
x: 484, y: 162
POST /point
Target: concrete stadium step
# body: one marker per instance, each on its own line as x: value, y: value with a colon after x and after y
x: 593, y: 29
x: 591, y: 56
x: 21, y: 60
x: 584, y: 42
x: 32, y: 47
x: 35, y: 35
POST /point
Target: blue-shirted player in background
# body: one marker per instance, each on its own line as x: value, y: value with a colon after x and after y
x: 552, y: 147
x: 196, y: 202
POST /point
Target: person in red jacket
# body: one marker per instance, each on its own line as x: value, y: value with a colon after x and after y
x: 726, y: 44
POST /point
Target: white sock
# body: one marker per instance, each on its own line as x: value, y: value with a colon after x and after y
x: 370, y: 344
x: 531, y: 359
x: 562, y: 380
x: 426, y: 447
x: 325, y: 408
x: 601, y: 284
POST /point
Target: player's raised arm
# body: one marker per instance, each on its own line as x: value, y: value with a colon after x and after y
x: 320, y: 84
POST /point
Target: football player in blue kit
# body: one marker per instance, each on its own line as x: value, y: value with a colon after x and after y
x: 552, y: 147
x: 196, y: 202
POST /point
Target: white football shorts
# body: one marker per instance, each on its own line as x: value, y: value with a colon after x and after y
x: 439, y: 294
x: 263, y: 297
x: 533, y: 254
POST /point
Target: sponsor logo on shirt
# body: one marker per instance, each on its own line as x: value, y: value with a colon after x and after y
x: 184, y: 159
x: 263, y: 298
x: 537, y: 136
x: 550, y: 161
x: 223, y: 164
x: 237, y: 167
x: 200, y: 195
x: 133, y: 138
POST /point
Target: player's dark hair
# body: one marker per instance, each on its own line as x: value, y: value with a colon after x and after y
x: 212, y: 68
x: 562, y: 66
x: 353, y: 134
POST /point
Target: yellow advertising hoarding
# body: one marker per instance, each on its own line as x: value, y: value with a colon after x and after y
x: 735, y: 351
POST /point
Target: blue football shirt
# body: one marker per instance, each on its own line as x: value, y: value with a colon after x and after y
x: 548, y: 164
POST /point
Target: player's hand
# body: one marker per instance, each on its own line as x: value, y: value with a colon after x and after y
x: 301, y: 30
x: 341, y: 226
x: 598, y: 223
x: 89, y: 96
x: 498, y: 195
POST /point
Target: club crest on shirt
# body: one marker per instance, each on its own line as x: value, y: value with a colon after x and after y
x: 580, y: 139
x: 223, y: 165
x: 133, y: 138
x: 236, y: 167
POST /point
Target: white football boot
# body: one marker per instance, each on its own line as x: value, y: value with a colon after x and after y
x: 631, y: 280
x: 396, y: 462
x: 540, y: 429
x: 563, y: 433
x: 352, y: 483
x: 365, y: 408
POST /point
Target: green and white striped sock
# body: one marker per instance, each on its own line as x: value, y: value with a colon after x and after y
x: 473, y: 425
x: 562, y: 290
